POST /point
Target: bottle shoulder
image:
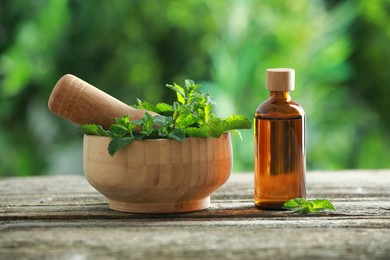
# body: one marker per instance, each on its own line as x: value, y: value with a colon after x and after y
x: 280, y: 108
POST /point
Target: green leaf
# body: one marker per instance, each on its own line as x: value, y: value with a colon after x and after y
x: 176, y: 106
x: 146, y: 105
x: 204, y: 131
x: 217, y: 126
x: 186, y: 120
x: 322, y: 204
x: 164, y: 108
x: 124, y: 120
x: 294, y: 203
x: 118, y: 131
x: 237, y: 133
x: 177, y: 134
x: 147, y: 124
x: 161, y: 120
x: 181, y: 96
x: 124, y: 126
x: 303, y: 206
x: 92, y: 129
x: 237, y: 122
x: 118, y: 143
x: 207, y: 113
x: 189, y: 83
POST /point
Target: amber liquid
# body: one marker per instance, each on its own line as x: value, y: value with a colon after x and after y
x: 279, y: 161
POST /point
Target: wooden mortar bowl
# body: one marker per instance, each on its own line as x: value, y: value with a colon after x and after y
x: 160, y: 175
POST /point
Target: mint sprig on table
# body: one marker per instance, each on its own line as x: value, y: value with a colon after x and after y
x: 303, y: 206
x: 190, y: 116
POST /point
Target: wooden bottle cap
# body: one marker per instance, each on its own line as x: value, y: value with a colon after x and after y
x: 280, y: 79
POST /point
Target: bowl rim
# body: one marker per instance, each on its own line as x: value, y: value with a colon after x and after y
x: 159, y: 139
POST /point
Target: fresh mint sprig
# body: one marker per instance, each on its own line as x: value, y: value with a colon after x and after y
x: 190, y: 116
x: 303, y: 206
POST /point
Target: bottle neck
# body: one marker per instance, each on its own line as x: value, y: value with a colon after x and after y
x: 280, y: 94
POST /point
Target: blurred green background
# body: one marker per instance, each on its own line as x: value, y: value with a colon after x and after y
x: 131, y: 49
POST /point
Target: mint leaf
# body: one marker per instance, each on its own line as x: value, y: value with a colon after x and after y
x: 124, y: 120
x: 164, y: 108
x: 92, y: 129
x: 237, y: 133
x: 118, y: 143
x: 190, y: 85
x: 163, y: 124
x: 181, y: 96
x: 147, y: 124
x: 322, y: 204
x: 118, y: 131
x: 123, y: 127
x: 217, y: 126
x: 177, y: 134
x: 293, y: 203
x: 161, y: 120
x: 146, y: 105
x: 303, y: 206
x: 237, y: 122
x: 207, y: 113
x: 204, y: 131
x: 187, y: 119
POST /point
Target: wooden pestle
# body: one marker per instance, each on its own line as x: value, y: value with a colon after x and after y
x: 81, y: 103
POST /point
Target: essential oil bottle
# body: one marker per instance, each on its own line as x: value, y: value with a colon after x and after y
x: 280, y: 156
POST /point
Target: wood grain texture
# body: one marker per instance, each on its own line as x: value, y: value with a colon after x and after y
x: 81, y: 103
x: 158, y: 175
x: 63, y: 217
x: 280, y: 79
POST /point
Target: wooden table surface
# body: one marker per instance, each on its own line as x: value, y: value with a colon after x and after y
x: 62, y: 217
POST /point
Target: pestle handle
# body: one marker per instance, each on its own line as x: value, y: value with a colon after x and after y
x: 81, y: 103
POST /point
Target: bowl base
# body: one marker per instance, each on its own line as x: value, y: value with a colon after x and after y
x: 177, y: 207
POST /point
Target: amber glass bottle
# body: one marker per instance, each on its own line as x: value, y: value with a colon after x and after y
x: 280, y: 156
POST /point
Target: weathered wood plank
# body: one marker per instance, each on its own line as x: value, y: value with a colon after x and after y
x: 62, y: 217
x: 74, y: 189
x: 195, y: 242
x: 353, y: 193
